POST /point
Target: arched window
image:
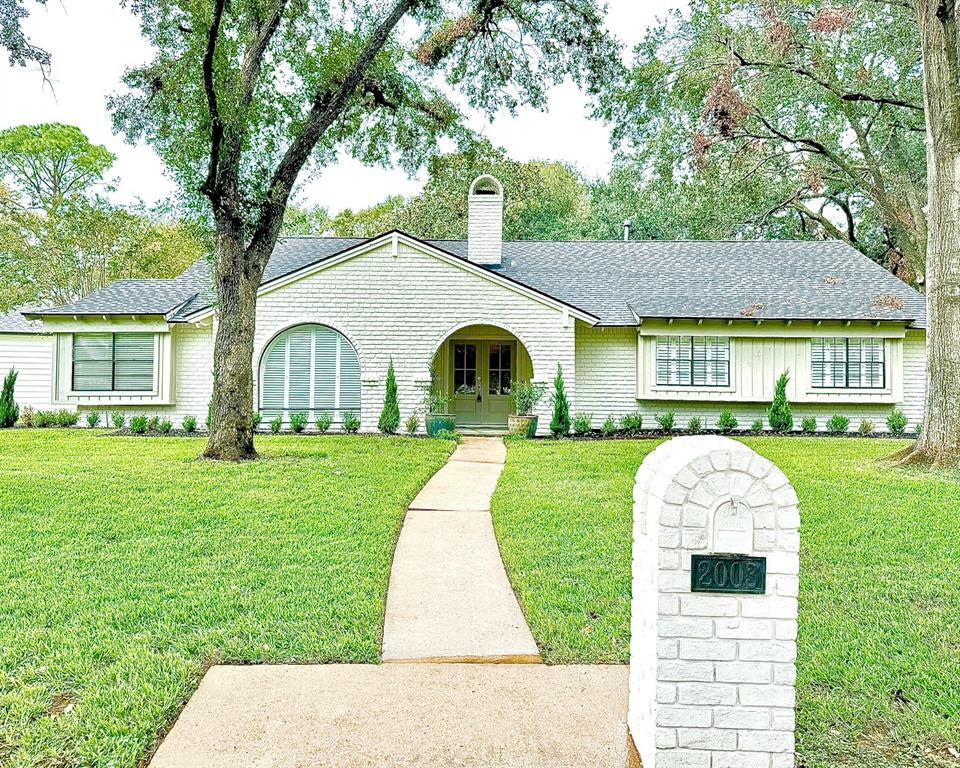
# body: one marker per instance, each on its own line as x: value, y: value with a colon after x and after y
x: 310, y: 369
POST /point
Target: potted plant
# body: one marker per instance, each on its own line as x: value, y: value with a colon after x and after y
x: 525, y: 396
x: 438, y: 418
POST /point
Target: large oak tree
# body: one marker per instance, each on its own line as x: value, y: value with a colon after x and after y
x: 243, y: 94
x: 814, y: 119
x: 939, y: 444
x: 758, y: 118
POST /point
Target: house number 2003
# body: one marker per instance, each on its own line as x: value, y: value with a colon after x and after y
x: 737, y: 574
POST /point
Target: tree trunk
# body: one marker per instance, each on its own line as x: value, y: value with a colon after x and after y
x: 939, y: 444
x: 231, y: 420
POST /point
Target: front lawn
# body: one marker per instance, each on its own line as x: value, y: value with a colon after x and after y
x: 128, y: 564
x: 879, y: 649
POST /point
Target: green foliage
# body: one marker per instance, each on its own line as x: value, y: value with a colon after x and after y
x: 582, y: 423
x: 780, y: 416
x: 546, y: 200
x: 412, y: 424
x: 58, y: 238
x: 526, y: 395
x: 93, y: 419
x: 838, y: 424
x: 351, y: 423
x: 389, y: 421
x: 897, y: 422
x: 867, y: 427
x: 757, y: 426
x: 45, y: 418
x: 560, y: 421
x: 209, y: 414
x: 609, y: 427
x: 447, y: 434
x: 632, y: 423
x: 695, y: 425
x: 138, y: 425
x: 9, y: 411
x: 755, y: 120
x: 65, y: 417
x: 313, y: 222
x: 871, y: 536
x: 808, y: 424
x: 256, y: 419
x: 919, y: 430
x: 165, y: 427
x: 190, y: 424
x: 298, y: 422
x: 153, y: 423
x: 97, y: 531
x: 20, y: 51
x: 323, y: 422
x: 665, y: 420
x: 27, y: 416
x: 400, y: 111
x: 118, y: 419
x: 50, y: 162
x: 276, y: 425
x: 727, y: 422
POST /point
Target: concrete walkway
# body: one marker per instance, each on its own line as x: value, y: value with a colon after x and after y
x: 449, y: 597
x: 449, y: 601
x: 403, y: 716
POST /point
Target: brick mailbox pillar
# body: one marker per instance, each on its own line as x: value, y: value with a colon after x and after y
x: 714, y: 613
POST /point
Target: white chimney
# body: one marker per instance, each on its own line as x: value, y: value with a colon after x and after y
x: 485, y: 221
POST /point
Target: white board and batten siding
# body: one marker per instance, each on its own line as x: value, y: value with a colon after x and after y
x: 616, y: 373
x: 31, y: 355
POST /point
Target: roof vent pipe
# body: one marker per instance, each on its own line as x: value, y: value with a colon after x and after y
x: 627, y: 223
x: 485, y: 221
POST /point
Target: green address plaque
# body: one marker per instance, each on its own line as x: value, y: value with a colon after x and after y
x: 736, y: 574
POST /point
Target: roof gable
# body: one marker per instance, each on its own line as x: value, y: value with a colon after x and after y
x: 393, y: 239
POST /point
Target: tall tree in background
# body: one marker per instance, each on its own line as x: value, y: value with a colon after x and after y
x: 939, y: 443
x: 240, y: 96
x: 60, y: 239
x: 782, y: 119
x: 543, y: 200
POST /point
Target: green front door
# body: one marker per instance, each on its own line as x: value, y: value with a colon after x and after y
x: 481, y: 372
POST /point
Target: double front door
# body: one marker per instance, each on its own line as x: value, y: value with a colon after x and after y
x: 481, y: 372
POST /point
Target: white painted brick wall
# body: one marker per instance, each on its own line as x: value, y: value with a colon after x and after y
x: 607, y: 386
x: 711, y: 675
x: 193, y: 381
x: 403, y: 307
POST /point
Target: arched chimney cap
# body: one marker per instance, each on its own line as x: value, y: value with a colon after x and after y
x: 485, y: 184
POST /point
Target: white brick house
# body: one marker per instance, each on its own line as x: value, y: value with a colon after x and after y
x: 648, y: 326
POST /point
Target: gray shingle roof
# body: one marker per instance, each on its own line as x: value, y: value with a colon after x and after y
x: 613, y: 280
x: 14, y: 322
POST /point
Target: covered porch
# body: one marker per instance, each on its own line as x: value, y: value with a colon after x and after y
x: 475, y: 367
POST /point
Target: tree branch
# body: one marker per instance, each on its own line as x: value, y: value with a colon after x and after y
x: 327, y: 106
x: 210, y: 185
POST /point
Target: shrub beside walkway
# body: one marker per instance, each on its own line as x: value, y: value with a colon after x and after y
x: 449, y: 601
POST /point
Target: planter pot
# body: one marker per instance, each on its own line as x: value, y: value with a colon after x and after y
x: 522, y: 425
x: 437, y: 421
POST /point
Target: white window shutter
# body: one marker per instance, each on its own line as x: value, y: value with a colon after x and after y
x: 300, y: 374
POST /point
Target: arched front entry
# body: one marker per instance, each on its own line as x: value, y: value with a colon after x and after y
x: 475, y: 367
x: 310, y: 369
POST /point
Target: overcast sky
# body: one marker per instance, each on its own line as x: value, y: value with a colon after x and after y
x: 93, y: 41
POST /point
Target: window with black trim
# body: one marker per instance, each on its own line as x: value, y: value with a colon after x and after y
x: 113, y: 362
x: 693, y: 361
x: 842, y: 363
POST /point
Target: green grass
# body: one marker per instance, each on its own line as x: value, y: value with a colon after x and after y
x: 879, y: 591
x: 128, y: 564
